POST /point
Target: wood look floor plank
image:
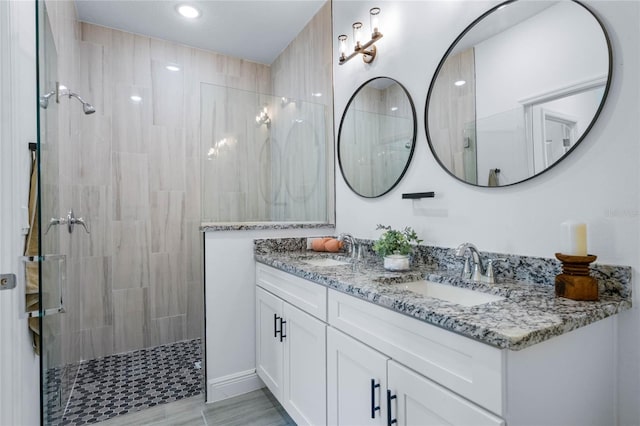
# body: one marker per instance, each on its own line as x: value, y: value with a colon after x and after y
x: 257, y: 408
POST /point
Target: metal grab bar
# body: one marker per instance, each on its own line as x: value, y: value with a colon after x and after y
x: 58, y: 307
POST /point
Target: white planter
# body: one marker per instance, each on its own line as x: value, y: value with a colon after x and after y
x: 396, y: 262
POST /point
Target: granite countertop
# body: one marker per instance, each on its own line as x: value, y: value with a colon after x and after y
x: 529, y: 314
x: 246, y: 226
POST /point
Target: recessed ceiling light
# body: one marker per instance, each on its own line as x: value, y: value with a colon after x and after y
x: 188, y: 11
x: 316, y: 94
x: 135, y: 98
x: 460, y: 83
x: 394, y: 108
x: 172, y: 67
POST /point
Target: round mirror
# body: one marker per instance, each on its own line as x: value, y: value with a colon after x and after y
x: 377, y: 137
x: 517, y: 91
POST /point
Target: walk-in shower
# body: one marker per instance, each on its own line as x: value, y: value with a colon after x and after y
x: 131, y: 163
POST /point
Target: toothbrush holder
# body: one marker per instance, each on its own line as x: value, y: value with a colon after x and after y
x: 575, y: 282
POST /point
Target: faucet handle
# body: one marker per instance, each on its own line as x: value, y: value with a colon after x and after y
x: 490, y: 272
x: 466, y: 270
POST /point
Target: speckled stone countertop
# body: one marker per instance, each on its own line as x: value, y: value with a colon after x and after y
x: 529, y: 314
x: 245, y: 226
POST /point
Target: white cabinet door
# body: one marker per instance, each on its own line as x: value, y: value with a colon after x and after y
x: 416, y: 400
x: 356, y: 382
x: 304, y: 390
x: 269, y: 353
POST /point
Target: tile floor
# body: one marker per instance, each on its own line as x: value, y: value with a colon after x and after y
x: 257, y: 408
x: 119, y: 384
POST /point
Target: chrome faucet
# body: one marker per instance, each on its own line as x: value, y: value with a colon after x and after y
x: 352, y: 243
x: 478, y: 267
x: 479, y: 272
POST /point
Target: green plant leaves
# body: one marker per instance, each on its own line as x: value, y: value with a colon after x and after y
x: 393, y: 241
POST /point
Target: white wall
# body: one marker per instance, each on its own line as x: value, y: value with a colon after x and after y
x: 599, y: 182
x: 230, y: 294
x: 19, y: 386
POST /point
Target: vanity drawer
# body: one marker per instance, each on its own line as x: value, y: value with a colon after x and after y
x: 469, y: 368
x: 305, y: 295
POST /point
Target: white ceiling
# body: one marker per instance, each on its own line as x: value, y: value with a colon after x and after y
x: 257, y: 30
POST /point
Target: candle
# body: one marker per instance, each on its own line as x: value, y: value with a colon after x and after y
x: 574, y: 238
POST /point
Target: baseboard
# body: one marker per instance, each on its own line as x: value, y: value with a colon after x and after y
x: 232, y: 385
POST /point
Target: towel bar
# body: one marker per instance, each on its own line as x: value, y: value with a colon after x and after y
x: 418, y: 195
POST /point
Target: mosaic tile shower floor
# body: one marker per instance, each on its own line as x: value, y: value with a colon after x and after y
x: 132, y: 381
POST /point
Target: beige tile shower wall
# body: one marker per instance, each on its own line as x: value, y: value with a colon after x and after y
x: 302, y: 69
x: 133, y: 171
x: 153, y: 197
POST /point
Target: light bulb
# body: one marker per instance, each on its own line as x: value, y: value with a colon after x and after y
x: 343, y: 45
x: 374, y: 15
x: 357, y: 33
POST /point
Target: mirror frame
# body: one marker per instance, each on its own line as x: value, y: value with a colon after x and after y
x: 582, y: 136
x: 413, y: 139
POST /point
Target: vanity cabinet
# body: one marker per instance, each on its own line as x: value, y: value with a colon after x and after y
x: 365, y: 387
x: 346, y: 361
x: 433, y: 373
x: 356, y: 382
x: 269, y: 349
x: 291, y: 344
x: 415, y: 400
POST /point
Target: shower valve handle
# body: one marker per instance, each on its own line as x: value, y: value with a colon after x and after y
x: 73, y: 220
x: 55, y: 221
x: 70, y: 220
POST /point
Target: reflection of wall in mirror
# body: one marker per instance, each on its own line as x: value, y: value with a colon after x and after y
x: 570, y: 49
x: 452, y: 114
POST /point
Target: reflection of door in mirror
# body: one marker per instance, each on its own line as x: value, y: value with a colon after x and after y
x: 558, y: 137
x: 452, y: 118
x: 571, y: 111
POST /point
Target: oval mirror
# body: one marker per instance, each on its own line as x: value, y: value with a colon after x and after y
x: 377, y: 136
x: 517, y: 91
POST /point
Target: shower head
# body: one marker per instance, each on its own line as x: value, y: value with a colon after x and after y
x: 44, y: 99
x: 86, y: 106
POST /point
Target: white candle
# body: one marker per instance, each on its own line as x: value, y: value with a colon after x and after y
x: 574, y: 238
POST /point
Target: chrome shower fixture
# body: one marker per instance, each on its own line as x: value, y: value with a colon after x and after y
x: 60, y: 90
x: 86, y: 106
x: 44, y: 99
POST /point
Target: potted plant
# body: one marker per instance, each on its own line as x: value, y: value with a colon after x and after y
x: 395, y: 247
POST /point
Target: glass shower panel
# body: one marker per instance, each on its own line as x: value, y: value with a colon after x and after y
x: 56, y: 374
x: 264, y: 158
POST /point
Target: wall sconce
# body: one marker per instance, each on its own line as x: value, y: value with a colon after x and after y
x: 263, y: 118
x: 368, y: 49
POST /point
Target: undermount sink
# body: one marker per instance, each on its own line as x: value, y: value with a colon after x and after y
x: 325, y: 261
x: 457, y: 295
